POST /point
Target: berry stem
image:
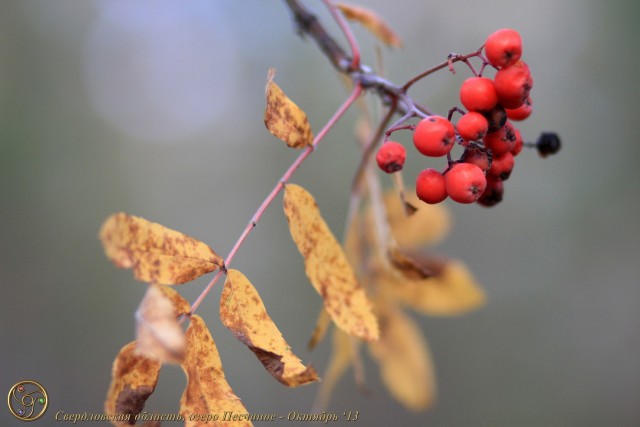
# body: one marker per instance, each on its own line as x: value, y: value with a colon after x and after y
x: 355, y: 93
x: 346, y: 30
x: 448, y: 63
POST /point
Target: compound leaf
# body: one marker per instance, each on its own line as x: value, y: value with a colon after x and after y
x: 242, y: 311
x: 156, y: 253
x: 133, y: 380
x: 207, y: 390
x: 327, y: 266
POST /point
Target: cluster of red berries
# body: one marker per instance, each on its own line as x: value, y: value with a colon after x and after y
x: 485, y: 131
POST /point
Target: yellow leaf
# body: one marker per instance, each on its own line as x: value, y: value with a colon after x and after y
x: 341, y: 358
x: 409, y: 267
x: 453, y: 291
x: 283, y: 118
x: 322, y: 325
x: 404, y: 359
x: 156, y: 253
x: 372, y: 22
x: 242, y: 311
x: 158, y: 333
x: 133, y: 379
x: 428, y: 225
x: 327, y: 267
x: 207, y: 390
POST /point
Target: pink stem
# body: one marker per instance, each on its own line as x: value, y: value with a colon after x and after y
x: 357, y: 90
x: 351, y: 39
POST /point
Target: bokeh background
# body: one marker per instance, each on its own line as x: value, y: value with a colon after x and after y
x: 155, y: 108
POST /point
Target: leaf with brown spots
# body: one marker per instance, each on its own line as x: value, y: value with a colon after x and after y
x: 207, y: 390
x: 242, y: 311
x: 283, y: 118
x: 372, y: 22
x: 133, y: 379
x: 452, y: 291
x: 404, y: 359
x: 156, y: 253
x: 327, y: 266
x: 158, y: 333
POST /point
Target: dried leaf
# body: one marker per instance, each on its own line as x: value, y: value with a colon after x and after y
x: 242, y: 311
x: 207, y: 390
x: 158, y: 333
x: 410, y: 268
x: 341, y: 359
x: 428, y: 225
x: 157, y: 254
x: 372, y: 22
x: 404, y: 359
x: 451, y: 292
x: 327, y: 267
x: 283, y: 118
x: 133, y: 379
x: 322, y: 325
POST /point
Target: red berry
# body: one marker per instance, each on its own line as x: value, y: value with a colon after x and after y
x: 518, y: 144
x: 502, y: 141
x: 478, y: 94
x: 472, y: 126
x: 465, y: 182
x: 501, y: 167
x: 391, y: 156
x: 477, y: 157
x: 503, y: 48
x: 496, y: 118
x: 513, y: 85
x: 492, y: 194
x: 430, y: 186
x: 522, y: 112
x: 434, y: 136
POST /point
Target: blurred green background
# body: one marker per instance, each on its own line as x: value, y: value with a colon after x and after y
x: 155, y: 108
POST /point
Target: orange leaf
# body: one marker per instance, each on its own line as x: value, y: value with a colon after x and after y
x: 207, y: 391
x: 156, y: 253
x: 450, y: 292
x: 133, y: 379
x: 372, y: 22
x: 283, y: 118
x: 322, y: 325
x: 158, y: 333
x: 327, y: 267
x: 409, y: 267
x: 342, y: 357
x: 242, y: 311
x: 404, y: 359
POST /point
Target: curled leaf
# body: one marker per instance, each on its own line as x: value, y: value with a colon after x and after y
x: 404, y: 359
x: 156, y: 253
x: 327, y: 267
x: 242, y: 311
x: 410, y: 268
x: 372, y: 22
x: 452, y: 291
x: 207, y: 390
x: 158, y: 333
x: 133, y: 379
x: 283, y: 118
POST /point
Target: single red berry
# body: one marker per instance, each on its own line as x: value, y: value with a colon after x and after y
x: 501, y: 141
x: 501, y: 167
x: 478, y: 94
x: 430, y: 186
x: 434, y: 136
x: 522, y: 112
x: 472, y: 126
x: 477, y: 157
x: 503, y: 47
x: 493, y: 193
x: 513, y: 85
x: 496, y: 118
x: 518, y: 144
x: 465, y: 182
x: 391, y: 156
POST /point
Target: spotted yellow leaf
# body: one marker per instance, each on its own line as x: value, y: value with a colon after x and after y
x: 156, y: 253
x: 327, y: 267
x: 283, y: 118
x: 242, y: 311
x: 133, y: 380
x: 207, y: 390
